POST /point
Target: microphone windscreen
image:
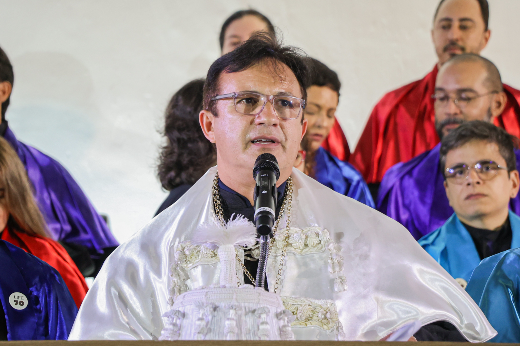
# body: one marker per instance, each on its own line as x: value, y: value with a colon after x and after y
x: 266, y: 161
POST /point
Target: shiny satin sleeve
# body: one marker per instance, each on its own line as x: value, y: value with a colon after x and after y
x: 495, y: 286
x: 69, y: 214
x: 124, y: 302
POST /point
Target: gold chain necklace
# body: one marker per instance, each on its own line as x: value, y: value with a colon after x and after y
x: 286, y: 207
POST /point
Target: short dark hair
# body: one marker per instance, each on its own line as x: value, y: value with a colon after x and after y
x: 187, y: 154
x: 6, y: 75
x: 478, y: 130
x: 321, y: 75
x: 258, y: 49
x: 493, y: 79
x: 241, y: 14
x: 484, y: 10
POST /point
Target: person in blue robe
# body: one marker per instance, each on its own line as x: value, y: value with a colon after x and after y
x: 322, y: 101
x: 70, y: 217
x: 478, y: 157
x: 35, y: 302
x: 495, y: 287
x: 412, y: 192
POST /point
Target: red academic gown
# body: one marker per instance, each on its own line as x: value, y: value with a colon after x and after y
x: 336, y: 142
x: 402, y: 126
x: 53, y: 254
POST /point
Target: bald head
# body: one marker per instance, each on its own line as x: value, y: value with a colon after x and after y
x: 492, y: 80
x: 468, y: 87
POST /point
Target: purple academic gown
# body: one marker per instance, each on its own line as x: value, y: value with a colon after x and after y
x: 36, y: 302
x: 69, y: 214
x: 413, y: 194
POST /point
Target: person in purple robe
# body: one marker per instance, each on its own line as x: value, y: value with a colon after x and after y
x: 468, y: 87
x: 70, y: 217
x: 320, y: 113
x: 481, y: 176
x: 35, y: 303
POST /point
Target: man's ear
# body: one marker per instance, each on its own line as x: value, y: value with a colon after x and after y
x: 515, y: 183
x: 446, y: 190
x: 487, y: 35
x: 498, y: 104
x: 207, y: 121
x: 5, y: 91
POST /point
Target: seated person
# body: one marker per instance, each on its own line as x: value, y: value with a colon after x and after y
x: 35, y: 304
x: 187, y: 154
x: 468, y: 87
x: 70, y: 217
x: 237, y: 29
x: 344, y: 270
x: 495, y: 287
x: 22, y: 224
x: 320, y: 111
x: 479, y: 165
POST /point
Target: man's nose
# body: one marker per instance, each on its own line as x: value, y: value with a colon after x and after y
x: 473, y: 177
x: 455, y: 33
x: 267, y: 116
x: 452, y: 108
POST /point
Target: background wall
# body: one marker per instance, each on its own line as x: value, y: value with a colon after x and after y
x: 92, y: 77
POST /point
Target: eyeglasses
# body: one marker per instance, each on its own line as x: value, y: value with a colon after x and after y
x: 486, y: 170
x: 461, y: 101
x: 253, y: 103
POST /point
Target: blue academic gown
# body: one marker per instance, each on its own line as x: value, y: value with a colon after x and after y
x: 495, y: 287
x: 453, y: 248
x: 341, y: 177
x: 50, y: 310
x: 69, y: 214
x: 413, y: 194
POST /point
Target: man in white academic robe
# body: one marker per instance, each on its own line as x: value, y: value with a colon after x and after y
x: 344, y: 270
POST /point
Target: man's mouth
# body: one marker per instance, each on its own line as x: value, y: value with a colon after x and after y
x: 263, y: 141
x: 454, y: 48
x: 474, y: 196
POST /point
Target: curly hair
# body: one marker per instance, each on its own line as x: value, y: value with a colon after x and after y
x: 187, y: 154
x: 17, y: 194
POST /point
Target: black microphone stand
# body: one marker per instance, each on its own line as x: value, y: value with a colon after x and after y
x: 262, y: 261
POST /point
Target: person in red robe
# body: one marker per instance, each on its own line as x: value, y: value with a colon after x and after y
x: 237, y: 29
x: 402, y: 124
x: 23, y: 225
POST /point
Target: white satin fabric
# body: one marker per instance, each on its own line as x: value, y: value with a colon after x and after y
x: 351, y: 273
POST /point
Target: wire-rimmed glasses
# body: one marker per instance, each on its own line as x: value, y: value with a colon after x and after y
x: 253, y: 103
x: 462, y: 100
x: 485, y: 169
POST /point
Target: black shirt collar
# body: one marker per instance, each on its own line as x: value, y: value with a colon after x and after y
x: 491, y: 242
x: 235, y: 203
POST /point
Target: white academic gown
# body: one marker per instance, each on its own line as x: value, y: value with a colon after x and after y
x: 350, y: 273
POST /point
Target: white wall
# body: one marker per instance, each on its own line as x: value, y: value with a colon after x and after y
x: 92, y: 77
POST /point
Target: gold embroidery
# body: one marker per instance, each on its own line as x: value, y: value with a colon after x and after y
x: 189, y: 255
x: 302, y: 241
x: 311, y: 312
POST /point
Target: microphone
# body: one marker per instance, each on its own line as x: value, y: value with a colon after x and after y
x: 266, y: 173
